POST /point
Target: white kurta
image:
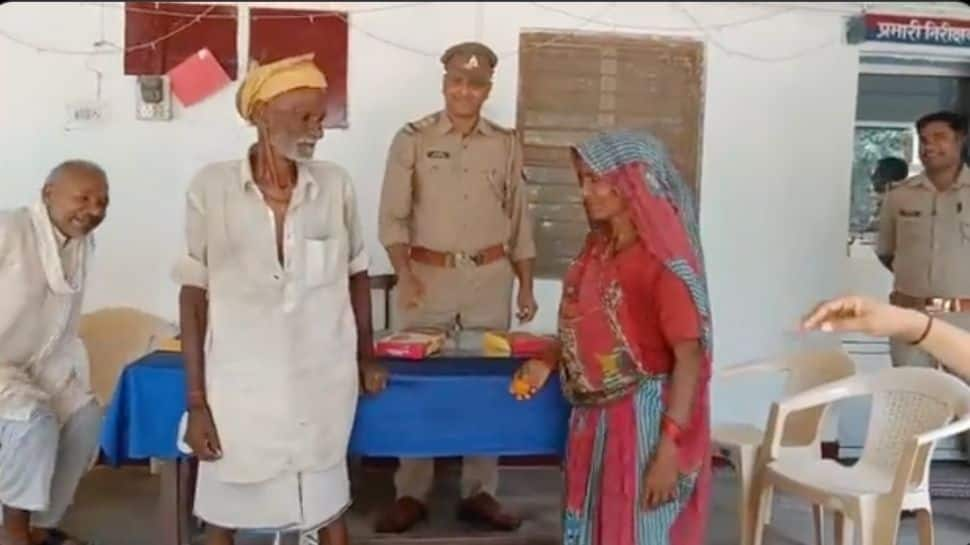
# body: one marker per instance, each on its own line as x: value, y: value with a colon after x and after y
x: 42, y: 360
x: 281, y: 345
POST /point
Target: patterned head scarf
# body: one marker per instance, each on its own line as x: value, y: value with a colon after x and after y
x: 663, y: 205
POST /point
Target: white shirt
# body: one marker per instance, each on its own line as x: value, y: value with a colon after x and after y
x: 281, y: 345
x: 42, y: 275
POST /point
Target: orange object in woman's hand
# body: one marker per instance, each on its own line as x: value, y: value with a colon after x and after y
x: 520, y: 387
x: 529, y: 379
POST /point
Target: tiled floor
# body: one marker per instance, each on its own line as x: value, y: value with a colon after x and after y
x: 117, y: 507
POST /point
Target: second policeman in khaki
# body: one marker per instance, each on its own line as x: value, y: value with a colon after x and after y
x: 454, y: 220
x: 924, y: 234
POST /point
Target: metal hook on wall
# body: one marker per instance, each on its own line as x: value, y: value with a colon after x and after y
x: 98, y: 74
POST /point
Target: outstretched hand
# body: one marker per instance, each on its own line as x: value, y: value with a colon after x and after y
x: 863, y: 315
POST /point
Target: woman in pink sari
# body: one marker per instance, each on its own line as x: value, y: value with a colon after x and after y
x: 634, y: 354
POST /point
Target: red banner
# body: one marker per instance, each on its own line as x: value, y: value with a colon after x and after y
x: 917, y: 30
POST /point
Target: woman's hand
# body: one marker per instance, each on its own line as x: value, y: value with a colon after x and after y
x: 529, y: 379
x: 660, y: 478
x: 862, y: 315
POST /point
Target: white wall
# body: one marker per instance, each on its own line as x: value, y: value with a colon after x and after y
x: 776, y: 144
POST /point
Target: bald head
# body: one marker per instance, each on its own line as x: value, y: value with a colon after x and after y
x: 76, y: 195
x: 74, y: 168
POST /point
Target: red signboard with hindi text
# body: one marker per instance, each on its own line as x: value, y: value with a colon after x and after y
x: 917, y: 30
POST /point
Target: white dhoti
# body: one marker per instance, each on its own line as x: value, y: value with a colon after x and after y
x: 303, y: 501
x: 41, y: 463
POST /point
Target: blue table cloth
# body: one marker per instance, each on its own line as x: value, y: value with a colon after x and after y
x: 447, y: 406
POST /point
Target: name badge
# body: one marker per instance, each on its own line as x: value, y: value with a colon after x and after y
x: 437, y: 154
x: 910, y: 213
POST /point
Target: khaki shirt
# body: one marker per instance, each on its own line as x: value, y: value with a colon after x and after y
x: 281, y: 345
x: 42, y: 275
x: 928, y: 234
x: 451, y: 193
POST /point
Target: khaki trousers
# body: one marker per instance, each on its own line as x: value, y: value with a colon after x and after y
x: 474, y: 298
x: 904, y: 354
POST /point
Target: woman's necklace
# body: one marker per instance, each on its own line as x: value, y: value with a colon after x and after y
x: 621, y: 241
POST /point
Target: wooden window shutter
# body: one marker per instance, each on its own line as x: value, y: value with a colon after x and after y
x: 572, y: 86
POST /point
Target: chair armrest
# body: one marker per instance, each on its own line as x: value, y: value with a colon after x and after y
x: 825, y: 394
x: 821, y: 395
x: 750, y: 367
x: 959, y: 426
x: 922, y: 443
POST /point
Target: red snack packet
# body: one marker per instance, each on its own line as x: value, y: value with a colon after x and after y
x: 410, y: 345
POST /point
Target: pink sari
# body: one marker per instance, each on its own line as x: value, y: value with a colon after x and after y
x: 619, y: 392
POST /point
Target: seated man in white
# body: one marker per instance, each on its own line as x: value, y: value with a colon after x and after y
x: 49, y: 419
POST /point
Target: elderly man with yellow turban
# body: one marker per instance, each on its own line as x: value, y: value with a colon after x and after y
x: 275, y: 317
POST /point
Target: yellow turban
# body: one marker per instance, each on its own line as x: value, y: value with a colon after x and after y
x: 265, y: 82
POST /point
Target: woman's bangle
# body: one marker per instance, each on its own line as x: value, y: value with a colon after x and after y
x: 551, y: 365
x: 670, y: 429
x: 926, y: 332
x: 549, y: 357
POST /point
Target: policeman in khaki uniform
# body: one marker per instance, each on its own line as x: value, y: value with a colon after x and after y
x: 924, y: 232
x: 454, y: 220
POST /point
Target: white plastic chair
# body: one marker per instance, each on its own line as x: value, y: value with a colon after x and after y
x: 912, y: 409
x: 803, y: 434
x: 115, y: 337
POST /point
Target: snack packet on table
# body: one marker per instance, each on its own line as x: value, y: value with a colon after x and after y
x: 515, y: 343
x: 411, y: 344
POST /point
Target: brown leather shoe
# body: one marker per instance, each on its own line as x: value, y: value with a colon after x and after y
x: 484, y: 510
x: 401, y: 516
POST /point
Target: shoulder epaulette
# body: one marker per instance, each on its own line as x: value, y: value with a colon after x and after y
x: 499, y: 128
x: 423, y: 123
x: 908, y: 182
